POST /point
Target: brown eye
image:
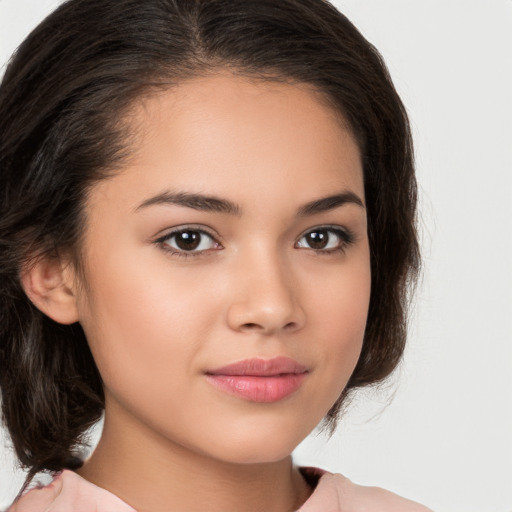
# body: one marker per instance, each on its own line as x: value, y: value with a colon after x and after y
x: 189, y: 240
x: 325, y: 240
x: 317, y: 239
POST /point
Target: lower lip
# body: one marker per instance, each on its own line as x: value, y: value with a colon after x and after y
x: 263, y: 389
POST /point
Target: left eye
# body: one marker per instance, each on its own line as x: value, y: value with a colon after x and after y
x: 189, y: 240
x: 324, y: 239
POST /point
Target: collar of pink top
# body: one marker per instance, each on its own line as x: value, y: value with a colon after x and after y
x: 333, y: 493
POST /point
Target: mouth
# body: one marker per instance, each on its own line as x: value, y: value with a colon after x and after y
x: 259, y: 380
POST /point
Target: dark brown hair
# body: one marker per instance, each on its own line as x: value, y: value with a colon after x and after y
x: 62, y: 102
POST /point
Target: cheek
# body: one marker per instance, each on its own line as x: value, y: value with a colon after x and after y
x: 341, y: 310
x: 139, y: 317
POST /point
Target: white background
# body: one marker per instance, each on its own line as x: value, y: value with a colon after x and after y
x: 446, y: 437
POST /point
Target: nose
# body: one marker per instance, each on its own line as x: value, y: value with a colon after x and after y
x: 265, y: 298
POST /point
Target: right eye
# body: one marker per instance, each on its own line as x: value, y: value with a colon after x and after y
x: 326, y: 239
x: 188, y: 242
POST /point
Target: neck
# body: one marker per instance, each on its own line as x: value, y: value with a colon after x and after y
x: 151, y: 474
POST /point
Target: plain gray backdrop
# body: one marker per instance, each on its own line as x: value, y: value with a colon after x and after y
x: 446, y: 437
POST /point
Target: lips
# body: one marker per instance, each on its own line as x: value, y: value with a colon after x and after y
x: 259, y: 380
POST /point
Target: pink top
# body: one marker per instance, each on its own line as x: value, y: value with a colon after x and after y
x: 333, y: 493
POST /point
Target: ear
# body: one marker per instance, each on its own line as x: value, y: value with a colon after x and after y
x: 50, y: 284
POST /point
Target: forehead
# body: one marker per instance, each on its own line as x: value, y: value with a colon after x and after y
x: 232, y: 136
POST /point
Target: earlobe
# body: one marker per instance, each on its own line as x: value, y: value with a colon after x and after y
x: 49, y: 284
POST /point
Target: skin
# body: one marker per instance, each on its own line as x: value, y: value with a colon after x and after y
x: 157, y: 320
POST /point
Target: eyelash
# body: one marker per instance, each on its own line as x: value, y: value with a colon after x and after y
x: 346, y: 239
x: 345, y: 236
x: 182, y: 253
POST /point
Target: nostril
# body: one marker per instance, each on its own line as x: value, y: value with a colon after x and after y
x: 252, y: 326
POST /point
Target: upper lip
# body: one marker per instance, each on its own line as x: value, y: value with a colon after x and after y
x: 258, y: 367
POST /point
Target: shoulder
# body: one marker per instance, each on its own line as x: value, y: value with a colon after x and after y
x: 66, y: 492
x: 336, y: 493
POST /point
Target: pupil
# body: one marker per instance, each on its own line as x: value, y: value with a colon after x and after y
x: 188, y: 240
x: 317, y: 239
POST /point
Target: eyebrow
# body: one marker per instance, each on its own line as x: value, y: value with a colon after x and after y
x: 326, y: 204
x: 194, y: 201
x: 215, y: 204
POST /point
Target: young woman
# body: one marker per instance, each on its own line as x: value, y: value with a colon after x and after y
x: 207, y: 234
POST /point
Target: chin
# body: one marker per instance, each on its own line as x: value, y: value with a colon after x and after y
x: 261, y: 455
x: 263, y: 447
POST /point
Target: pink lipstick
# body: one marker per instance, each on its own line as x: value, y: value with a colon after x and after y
x: 259, y: 380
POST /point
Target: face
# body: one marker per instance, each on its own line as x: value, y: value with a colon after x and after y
x: 227, y: 268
